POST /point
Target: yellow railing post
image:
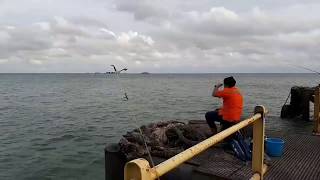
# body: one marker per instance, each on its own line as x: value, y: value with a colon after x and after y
x: 316, y: 129
x: 139, y: 169
x: 258, y: 144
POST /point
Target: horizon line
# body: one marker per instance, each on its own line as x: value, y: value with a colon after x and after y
x: 159, y: 73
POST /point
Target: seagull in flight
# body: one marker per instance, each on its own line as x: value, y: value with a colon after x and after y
x: 115, y: 69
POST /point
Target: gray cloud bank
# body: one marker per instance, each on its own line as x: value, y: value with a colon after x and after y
x: 158, y: 36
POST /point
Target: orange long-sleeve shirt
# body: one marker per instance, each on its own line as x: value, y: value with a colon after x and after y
x: 232, y: 104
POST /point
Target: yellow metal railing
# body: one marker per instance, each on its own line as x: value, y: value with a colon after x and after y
x: 316, y: 129
x: 139, y: 169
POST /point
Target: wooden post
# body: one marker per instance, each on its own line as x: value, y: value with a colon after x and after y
x: 258, y: 144
x: 316, y: 130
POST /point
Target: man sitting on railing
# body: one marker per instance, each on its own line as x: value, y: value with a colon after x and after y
x: 230, y: 113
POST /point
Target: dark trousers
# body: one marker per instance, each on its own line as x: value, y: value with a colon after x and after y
x: 213, y: 116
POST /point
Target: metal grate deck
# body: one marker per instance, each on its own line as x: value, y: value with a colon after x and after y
x: 301, y: 160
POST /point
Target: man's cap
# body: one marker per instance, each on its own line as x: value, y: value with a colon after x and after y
x: 229, y: 81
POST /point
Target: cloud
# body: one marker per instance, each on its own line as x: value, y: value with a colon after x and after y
x: 221, y: 21
x: 216, y: 14
x: 3, y: 61
x: 142, y: 9
x: 36, y: 62
x: 22, y: 39
x: 126, y: 38
x: 4, y: 37
x: 161, y: 36
x: 108, y: 32
x: 60, y: 41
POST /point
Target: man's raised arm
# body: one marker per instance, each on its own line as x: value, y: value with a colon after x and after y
x: 216, y: 89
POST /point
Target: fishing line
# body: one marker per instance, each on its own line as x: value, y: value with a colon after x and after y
x: 133, y: 116
x: 145, y: 143
x: 301, y: 67
x: 305, y: 68
x: 287, y: 99
x: 117, y: 78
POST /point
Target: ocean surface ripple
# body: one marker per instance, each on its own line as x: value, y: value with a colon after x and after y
x: 55, y: 126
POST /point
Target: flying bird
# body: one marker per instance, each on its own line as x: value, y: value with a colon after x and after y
x: 115, y: 69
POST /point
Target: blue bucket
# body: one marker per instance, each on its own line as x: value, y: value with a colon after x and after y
x: 274, y: 146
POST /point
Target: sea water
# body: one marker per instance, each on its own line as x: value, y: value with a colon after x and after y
x: 55, y: 126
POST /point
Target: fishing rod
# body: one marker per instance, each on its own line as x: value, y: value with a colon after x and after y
x: 134, y: 118
x: 305, y: 68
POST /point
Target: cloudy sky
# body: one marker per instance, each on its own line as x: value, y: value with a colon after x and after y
x: 159, y: 35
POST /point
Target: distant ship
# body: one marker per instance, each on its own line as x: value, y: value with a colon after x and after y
x: 145, y: 73
x: 99, y: 73
x: 96, y: 73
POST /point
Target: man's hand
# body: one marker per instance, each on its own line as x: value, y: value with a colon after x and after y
x: 216, y: 88
x: 218, y: 85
